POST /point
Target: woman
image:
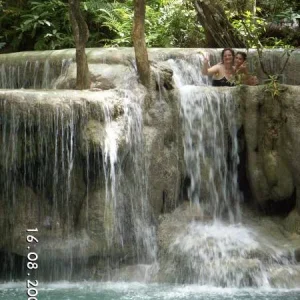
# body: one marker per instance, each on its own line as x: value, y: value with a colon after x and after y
x: 222, y: 73
x: 241, y: 69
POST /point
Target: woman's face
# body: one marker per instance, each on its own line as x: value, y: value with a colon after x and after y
x: 238, y: 60
x: 227, y: 57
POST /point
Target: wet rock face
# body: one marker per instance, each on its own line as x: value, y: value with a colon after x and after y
x: 292, y: 222
x: 163, y: 143
x: 103, y: 76
x: 286, y: 278
x: 196, y: 249
x: 297, y: 254
x: 272, y: 134
x: 57, y: 155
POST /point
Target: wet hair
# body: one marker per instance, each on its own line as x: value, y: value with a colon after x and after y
x: 227, y: 49
x: 243, y: 54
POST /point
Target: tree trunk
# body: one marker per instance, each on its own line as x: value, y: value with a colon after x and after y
x: 218, y: 30
x: 81, y: 35
x: 138, y: 37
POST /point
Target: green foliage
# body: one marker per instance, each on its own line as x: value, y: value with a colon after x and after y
x: 2, y: 44
x: 49, y: 21
x: 276, y: 10
x: 118, y: 19
x: 178, y: 24
x: 249, y: 25
x: 169, y: 23
x: 273, y: 86
x: 268, y: 25
x: 41, y: 24
x: 252, y: 27
x: 9, y: 18
x: 288, y: 16
x: 96, y: 14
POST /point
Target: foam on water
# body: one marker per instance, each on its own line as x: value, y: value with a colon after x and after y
x: 138, y: 291
x: 222, y: 251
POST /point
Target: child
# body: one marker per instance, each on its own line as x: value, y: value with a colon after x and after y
x: 241, y: 70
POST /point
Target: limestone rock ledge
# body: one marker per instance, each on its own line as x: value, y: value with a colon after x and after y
x: 272, y: 135
x: 54, y: 144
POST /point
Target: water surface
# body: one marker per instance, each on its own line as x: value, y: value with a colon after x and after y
x: 138, y: 291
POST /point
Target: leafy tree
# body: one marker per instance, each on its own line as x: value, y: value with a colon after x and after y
x: 218, y: 30
x: 49, y: 21
x: 168, y: 23
x: 40, y: 24
x: 10, y: 17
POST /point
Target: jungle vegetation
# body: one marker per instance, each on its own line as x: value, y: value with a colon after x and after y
x: 45, y: 24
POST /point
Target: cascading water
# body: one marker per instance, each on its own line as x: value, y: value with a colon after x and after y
x: 211, y: 162
x: 47, y: 151
x: 218, y: 251
x: 37, y: 157
x: 210, y: 144
x: 126, y: 193
x: 33, y: 74
x: 126, y: 215
x: 142, y: 221
x: 75, y: 163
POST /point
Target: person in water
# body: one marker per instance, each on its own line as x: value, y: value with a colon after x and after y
x: 241, y: 70
x: 223, y: 72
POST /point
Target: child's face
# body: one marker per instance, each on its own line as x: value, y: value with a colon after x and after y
x: 238, y: 60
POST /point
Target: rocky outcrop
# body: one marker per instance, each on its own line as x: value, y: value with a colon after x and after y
x: 196, y: 249
x: 163, y: 141
x: 60, y: 152
x: 48, y: 69
x: 272, y: 135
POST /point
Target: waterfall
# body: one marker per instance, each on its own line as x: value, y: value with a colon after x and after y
x: 210, y: 143
x: 219, y: 250
x: 211, y: 161
x: 37, y: 160
x: 87, y: 168
x: 143, y: 223
x: 53, y: 173
x: 33, y: 74
x: 126, y: 190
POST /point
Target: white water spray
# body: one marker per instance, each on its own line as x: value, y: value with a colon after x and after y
x: 219, y: 251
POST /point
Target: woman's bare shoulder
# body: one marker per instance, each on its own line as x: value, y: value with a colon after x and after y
x: 215, y: 68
